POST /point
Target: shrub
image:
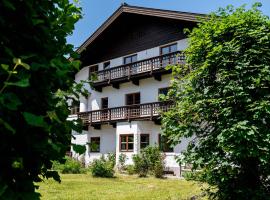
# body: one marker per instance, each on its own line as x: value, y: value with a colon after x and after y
x: 149, y: 160
x: 71, y: 166
x: 130, y: 169
x: 158, y: 169
x: 121, y: 161
x: 102, y: 168
x: 153, y: 155
x: 140, y: 165
x: 111, y: 158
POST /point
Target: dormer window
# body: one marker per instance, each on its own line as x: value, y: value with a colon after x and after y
x: 106, y: 65
x: 130, y: 59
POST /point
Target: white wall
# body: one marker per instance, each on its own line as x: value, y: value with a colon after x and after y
x: 148, y: 89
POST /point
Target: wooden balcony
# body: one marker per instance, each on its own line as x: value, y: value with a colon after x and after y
x: 152, y: 67
x: 147, y: 111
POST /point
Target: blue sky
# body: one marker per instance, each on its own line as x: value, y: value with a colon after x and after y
x: 95, y: 12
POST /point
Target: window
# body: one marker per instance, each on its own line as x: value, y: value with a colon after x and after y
x: 104, y: 103
x: 133, y: 98
x: 106, y: 65
x: 168, y: 49
x: 163, y: 91
x: 164, y: 144
x: 75, y: 108
x: 126, y: 142
x: 92, y: 70
x: 144, y: 142
x: 95, y: 144
x: 130, y: 59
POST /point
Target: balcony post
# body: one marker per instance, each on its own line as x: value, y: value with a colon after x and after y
x: 90, y: 118
x: 151, y: 111
x: 129, y: 71
x: 109, y: 76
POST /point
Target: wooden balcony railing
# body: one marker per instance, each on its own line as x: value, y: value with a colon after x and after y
x: 125, y: 113
x: 147, y: 66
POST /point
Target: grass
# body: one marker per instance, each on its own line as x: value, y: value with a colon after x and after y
x: 85, y: 187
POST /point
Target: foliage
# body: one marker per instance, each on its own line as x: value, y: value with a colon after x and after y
x: 33, y: 96
x: 222, y: 100
x: 111, y: 158
x: 102, y: 168
x: 140, y: 165
x: 158, y: 169
x: 121, y: 161
x: 70, y: 166
x: 150, y: 160
x: 130, y: 169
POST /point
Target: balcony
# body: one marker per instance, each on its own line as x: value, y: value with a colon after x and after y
x: 147, y: 111
x: 152, y: 67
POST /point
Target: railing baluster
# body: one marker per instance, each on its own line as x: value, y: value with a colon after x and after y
x: 126, y: 112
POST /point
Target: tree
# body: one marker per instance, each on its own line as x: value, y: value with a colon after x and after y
x: 222, y: 103
x: 33, y: 96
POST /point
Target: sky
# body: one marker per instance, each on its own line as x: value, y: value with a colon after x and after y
x: 95, y: 12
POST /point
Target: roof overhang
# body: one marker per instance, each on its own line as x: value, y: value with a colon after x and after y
x: 185, y: 16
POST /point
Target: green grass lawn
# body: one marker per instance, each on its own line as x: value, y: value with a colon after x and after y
x: 84, y: 186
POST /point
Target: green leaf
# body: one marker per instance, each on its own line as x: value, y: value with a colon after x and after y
x: 34, y: 120
x: 80, y: 149
x: 4, y: 67
x: 10, y: 101
x: 22, y: 83
x: 7, y: 126
x: 26, y: 66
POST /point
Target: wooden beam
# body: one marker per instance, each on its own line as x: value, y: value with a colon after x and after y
x: 136, y: 82
x: 116, y: 85
x: 97, y: 126
x: 157, y: 77
x: 98, y: 89
x: 113, y: 124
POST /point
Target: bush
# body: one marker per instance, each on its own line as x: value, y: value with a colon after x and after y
x: 130, y: 169
x: 158, y: 169
x: 102, y: 168
x: 149, y: 160
x: 71, y: 166
x: 140, y: 165
x: 111, y: 158
x: 121, y: 161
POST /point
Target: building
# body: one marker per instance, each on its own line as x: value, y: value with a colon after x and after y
x: 129, y: 53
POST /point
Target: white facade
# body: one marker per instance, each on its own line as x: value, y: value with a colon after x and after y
x: 109, y: 135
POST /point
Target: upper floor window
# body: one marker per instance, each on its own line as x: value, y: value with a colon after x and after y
x: 130, y: 59
x: 133, y: 98
x: 168, y: 49
x: 106, y: 65
x: 75, y: 108
x: 93, y: 69
x: 163, y: 91
x: 104, y: 103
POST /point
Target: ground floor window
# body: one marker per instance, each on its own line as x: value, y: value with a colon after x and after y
x: 164, y: 144
x: 126, y: 142
x: 95, y: 144
x: 144, y: 140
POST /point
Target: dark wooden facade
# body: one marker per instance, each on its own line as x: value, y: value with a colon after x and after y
x: 131, y: 33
